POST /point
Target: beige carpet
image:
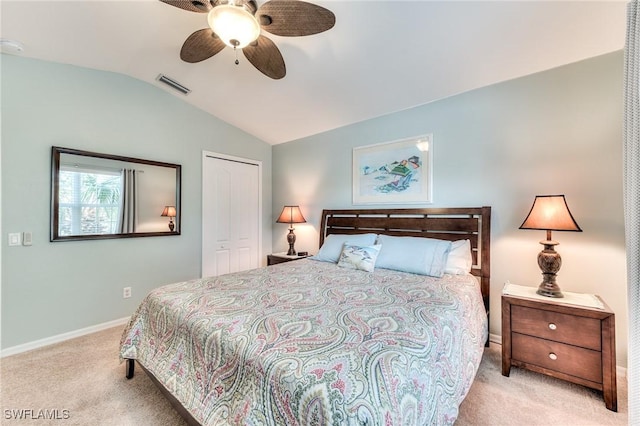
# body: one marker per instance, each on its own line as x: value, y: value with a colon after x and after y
x: 83, y: 377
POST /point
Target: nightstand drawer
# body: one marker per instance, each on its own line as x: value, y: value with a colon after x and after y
x: 571, y: 329
x: 568, y: 359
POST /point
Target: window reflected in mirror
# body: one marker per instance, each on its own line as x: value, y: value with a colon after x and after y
x: 90, y: 201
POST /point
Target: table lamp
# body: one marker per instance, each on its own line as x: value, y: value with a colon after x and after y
x: 550, y: 213
x: 169, y: 211
x: 291, y: 215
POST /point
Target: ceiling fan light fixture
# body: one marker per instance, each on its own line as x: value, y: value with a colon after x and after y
x: 235, y: 25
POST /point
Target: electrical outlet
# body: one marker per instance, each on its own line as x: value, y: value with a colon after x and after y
x: 126, y: 292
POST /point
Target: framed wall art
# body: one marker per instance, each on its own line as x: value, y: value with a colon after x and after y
x: 398, y: 172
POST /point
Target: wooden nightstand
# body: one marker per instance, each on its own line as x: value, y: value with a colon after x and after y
x: 569, y: 342
x: 276, y: 258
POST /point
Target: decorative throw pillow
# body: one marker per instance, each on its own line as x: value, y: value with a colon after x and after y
x: 332, y: 246
x: 424, y: 256
x: 359, y: 257
x: 459, y: 260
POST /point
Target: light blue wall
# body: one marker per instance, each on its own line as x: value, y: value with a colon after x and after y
x: 553, y: 132
x: 556, y: 132
x: 53, y: 288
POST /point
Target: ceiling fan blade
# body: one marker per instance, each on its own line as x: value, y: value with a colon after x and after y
x: 200, y: 6
x: 201, y: 45
x: 294, y: 18
x: 266, y: 57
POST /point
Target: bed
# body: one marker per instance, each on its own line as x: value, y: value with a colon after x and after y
x: 310, y: 342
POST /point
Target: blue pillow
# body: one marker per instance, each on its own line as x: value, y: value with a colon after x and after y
x: 424, y: 256
x: 358, y: 257
x: 332, y: 246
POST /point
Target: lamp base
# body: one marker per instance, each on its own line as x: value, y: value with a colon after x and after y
x: 291, y: 239
x: 549, y: 290
x: 171, y: 225
x: 549, y: 262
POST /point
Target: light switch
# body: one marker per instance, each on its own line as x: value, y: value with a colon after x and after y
x: 26, y: 239
x: 14, y: 239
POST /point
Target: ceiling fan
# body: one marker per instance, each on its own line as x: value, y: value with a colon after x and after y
x: 237, y: 24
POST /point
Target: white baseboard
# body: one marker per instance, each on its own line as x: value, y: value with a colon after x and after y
x: 497, y: 339
x: 61, y: 337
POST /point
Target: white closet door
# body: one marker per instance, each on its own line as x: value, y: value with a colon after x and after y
x: 230, y: 215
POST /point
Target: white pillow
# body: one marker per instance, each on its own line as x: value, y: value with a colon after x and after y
x: 332, y: 246
x: 359, y: 257
x: 424, y: 256
x: 459, y: 260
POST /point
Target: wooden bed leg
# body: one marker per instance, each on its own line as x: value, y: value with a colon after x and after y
x: 131, y: 366
x: 487, y: 307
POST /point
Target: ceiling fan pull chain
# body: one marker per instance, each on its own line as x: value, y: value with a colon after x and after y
x: 236, y: 51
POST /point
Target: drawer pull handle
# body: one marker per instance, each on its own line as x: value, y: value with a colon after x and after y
x: 552, y: 326
x: 553, y: 356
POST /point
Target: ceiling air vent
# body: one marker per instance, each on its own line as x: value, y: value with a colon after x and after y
x: 173, y: 84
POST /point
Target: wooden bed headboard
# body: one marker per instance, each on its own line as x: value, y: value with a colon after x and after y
x: 454, y: 223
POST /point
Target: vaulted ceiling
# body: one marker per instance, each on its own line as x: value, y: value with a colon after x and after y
x: 381, y: 56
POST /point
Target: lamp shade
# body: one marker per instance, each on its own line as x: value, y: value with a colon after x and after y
x: 169, y: 211
x: 550, y: 213
x: 291, y: 214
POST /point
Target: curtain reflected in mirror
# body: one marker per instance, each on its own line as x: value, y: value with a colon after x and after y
x: 128, y: 207
x: 97, y: 196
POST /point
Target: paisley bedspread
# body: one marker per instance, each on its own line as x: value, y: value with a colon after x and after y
x: 310, y: 343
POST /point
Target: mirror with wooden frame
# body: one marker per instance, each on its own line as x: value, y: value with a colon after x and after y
x: 100, y: 196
